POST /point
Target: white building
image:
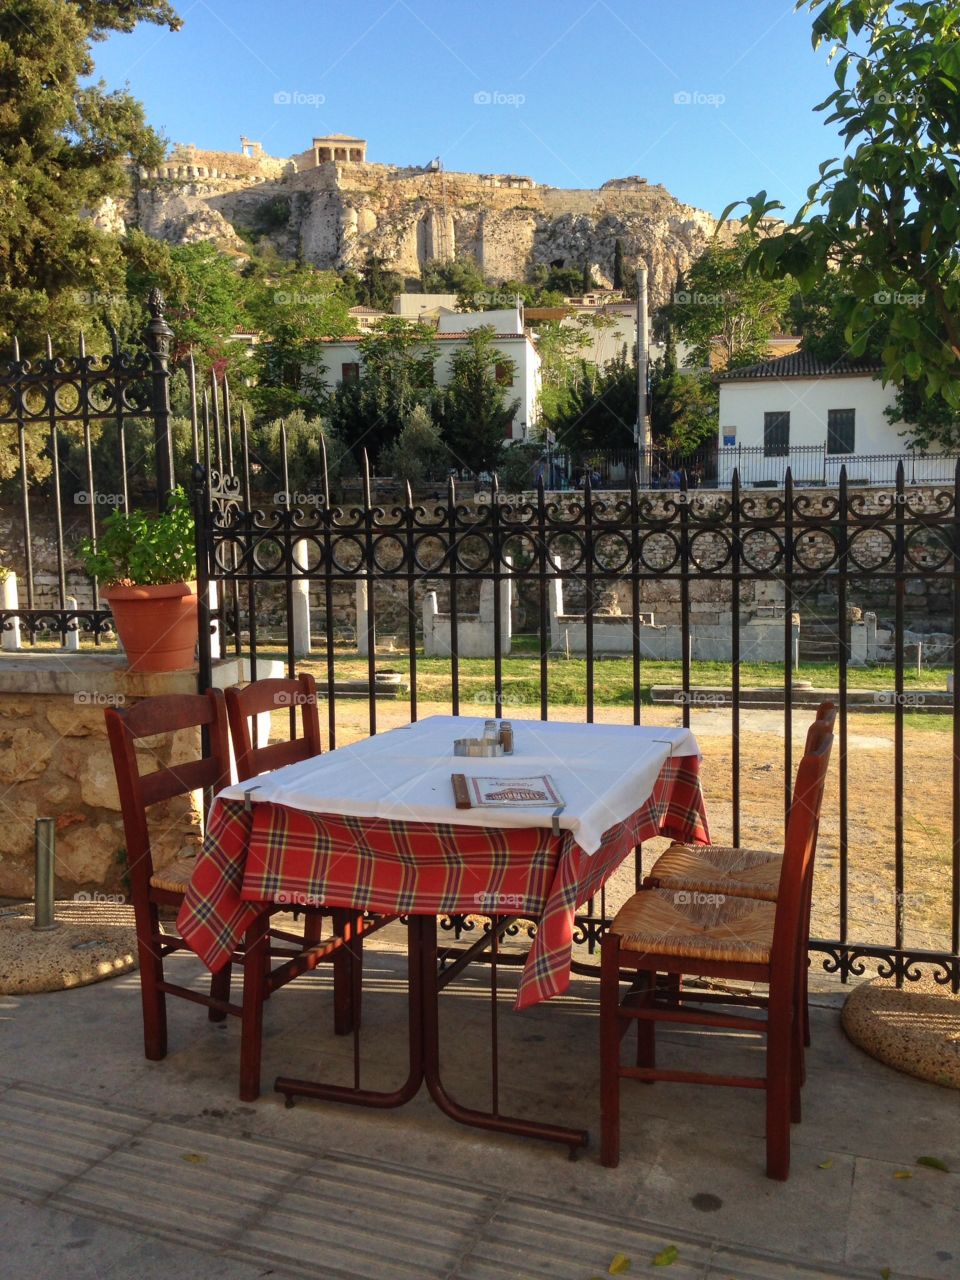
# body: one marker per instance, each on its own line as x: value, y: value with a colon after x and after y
x: 811, y: 415
x: 423, y: 306
x: 342, y: 362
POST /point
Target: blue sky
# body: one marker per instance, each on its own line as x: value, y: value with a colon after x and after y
x: 578, y: 91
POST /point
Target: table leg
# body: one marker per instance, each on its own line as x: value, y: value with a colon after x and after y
x: 426, y: 928
x: 292, y: 1088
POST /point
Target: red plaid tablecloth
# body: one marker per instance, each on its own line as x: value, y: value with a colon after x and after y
x: 285, y: 856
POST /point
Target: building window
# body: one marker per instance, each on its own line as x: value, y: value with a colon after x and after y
x: 504, y: 374
x: 840, y: 430
x: 776, y: 435
x: 350, y: 372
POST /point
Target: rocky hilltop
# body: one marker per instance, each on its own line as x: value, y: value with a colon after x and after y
x: 338, y: 214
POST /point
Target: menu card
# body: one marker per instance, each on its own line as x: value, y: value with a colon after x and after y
x: 514, y: 793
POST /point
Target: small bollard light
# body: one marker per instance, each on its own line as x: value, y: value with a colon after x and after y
x: 44, y: 847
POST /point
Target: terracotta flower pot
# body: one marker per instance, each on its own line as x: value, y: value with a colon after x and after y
x: 157, y: 625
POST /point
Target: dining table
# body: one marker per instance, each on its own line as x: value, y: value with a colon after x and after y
x: 374, y: 827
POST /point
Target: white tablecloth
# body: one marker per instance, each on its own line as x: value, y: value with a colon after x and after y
x: 603, y: 772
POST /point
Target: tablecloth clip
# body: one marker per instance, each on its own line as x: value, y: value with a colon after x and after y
x: 248, y: 792
x: 556, y: 818
x: 667, y: 742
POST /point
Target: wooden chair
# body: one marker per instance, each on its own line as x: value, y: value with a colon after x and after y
x: 736, y: 872
x: 278, y: 694
x: 151, y: 890
x: 273, y: 695
x: 746, y: 939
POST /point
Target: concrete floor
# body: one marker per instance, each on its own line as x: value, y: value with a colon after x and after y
x: 115, y: 1167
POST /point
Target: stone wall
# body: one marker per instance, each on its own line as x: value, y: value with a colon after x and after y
x: 55, y: 762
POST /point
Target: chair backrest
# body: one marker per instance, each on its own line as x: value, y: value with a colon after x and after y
x: 796, y: 876
x: 273, y: 695
x: 139, y: 790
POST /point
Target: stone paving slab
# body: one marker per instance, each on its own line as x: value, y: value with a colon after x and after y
x: 82, y: 1114
x: 292, y: 1214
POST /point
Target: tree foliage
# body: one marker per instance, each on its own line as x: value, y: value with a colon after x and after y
x: 886, y: 213
x: 64, y: 146
x: 397, y: 375
x: 418, y: 454
x: 601, y: 409
x: 726, y: 312
x: 475, y: 414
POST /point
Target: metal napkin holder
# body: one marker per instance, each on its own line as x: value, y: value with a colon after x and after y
x: 477, y: 747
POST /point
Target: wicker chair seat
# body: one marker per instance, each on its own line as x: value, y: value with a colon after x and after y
x: 175, y: 876
x: 661, y: 922
x: 739, y: 873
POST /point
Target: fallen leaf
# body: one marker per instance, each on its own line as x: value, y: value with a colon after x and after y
x: 827, y: 1164
x: 903, y: 1173
x: 191, y: 1157
x: 619, y: 1265
x: 885, y: 1274
x: 667, y: 1257
x: 932, y: 1162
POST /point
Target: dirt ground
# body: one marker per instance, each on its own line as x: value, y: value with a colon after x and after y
x: 870, y: 782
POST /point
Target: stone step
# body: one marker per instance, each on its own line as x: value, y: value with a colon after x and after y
x: 860, y: 700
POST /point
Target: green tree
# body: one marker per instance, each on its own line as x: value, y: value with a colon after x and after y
x: 560, y: 347
x: 306, y: 439
x: 397, y: 360
x: 586, y: 283
x: 618, y: 264
x: 418, y: 453
x: 293, y: 308
x: 64, y: 146
x: 375, y: 285
x: 461, y: 276
x: 475, y: 415
x: 727, y: 312
x: 601, y: 410
x: 886, y: 213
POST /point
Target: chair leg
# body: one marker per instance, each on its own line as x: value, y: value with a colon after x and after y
x: 610, y: 1052
x: 220, y: 990
x: 254, y: 987
x: 151, y: 975
x: 779, y: 1054
x: 647, y: 1030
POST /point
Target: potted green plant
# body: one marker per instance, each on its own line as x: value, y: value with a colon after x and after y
x: 147, y: 564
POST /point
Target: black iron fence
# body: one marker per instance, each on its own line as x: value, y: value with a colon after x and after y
x: 800, y: 547
x: 652, y: 582
x: 713, y: 467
